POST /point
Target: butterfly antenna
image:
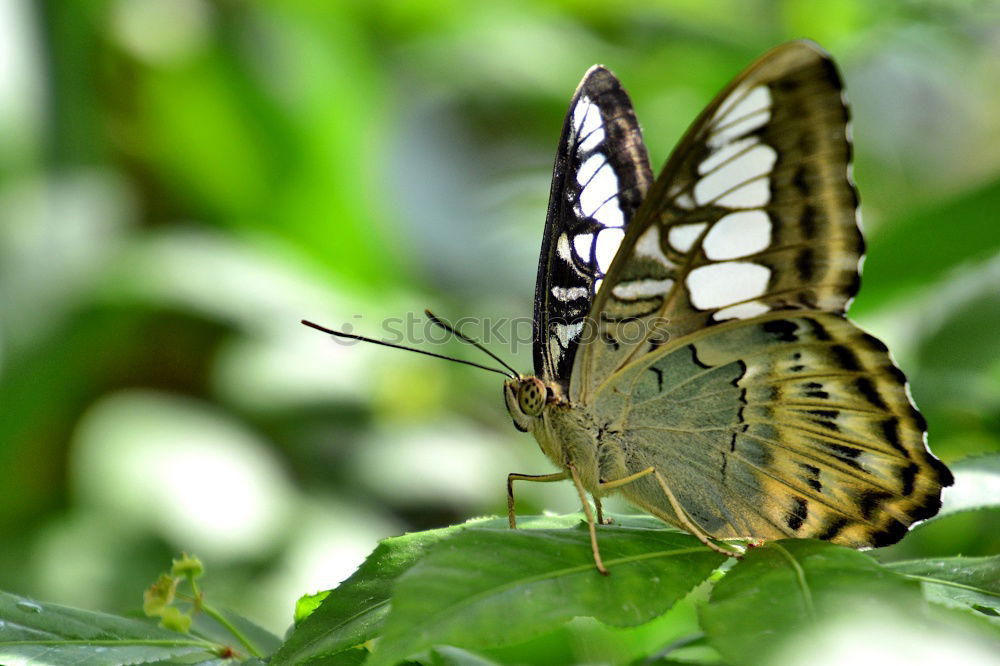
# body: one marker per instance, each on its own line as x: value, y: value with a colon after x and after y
x: 464, y: 338
x: 351, y: 336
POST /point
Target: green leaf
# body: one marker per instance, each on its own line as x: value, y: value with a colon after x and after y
x: 974, y: 532
x: 351, y: 657
x: 353, y: 612
x: 488, y: 587
x: 33, y: 632
x: 790, y: 586
x: 210, y: 627
x: 969, y: 583
x: 690, y: 650
x: 447, y: 655
x: 307, y: 603
x: 585, y: 640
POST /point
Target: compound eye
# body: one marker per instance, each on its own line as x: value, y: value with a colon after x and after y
x: 531, y: 397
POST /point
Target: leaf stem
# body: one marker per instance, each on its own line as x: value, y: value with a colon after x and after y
x: 950, y: 583
x: 195, y: 592
x: 683, y: 641
x: 208, y: 645
x: 231, y: 628
x: 800, y: 576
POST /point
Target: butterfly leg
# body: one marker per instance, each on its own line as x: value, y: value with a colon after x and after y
x: 590, y: 519
x: 600, y: 512
x: 511, y: 478
x: 610, y: 485
x: 689, y: 525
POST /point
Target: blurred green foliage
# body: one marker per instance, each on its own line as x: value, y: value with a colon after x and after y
x: 181, y: 182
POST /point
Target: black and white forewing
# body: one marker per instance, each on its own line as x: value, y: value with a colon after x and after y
x: 600, y: 177
x: 755, y: 212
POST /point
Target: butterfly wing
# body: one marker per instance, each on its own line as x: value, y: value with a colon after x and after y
x: 722, y: 357
x: 784, y: 426
x: 754, y: 212
x: 601, y: 176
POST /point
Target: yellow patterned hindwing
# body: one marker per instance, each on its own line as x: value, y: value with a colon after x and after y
x: 784, y: 426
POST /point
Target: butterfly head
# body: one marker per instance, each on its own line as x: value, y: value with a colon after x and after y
x: 526, y: 398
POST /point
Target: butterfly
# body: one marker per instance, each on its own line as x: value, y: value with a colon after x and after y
x: 691, y: 349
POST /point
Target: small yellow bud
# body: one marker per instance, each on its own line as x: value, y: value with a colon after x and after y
x: 172, y: 618
x: 159, y: 595
x: 187, y: 566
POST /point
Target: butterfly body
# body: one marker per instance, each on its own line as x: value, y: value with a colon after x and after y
x: 691, y: 346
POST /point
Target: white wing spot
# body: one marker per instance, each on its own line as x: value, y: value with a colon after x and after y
x: 555, y: 351
x: 608, y: 241
x: 757, y: 99
x: 747, y: 310
x: 729, y: 101
x: 587, y: 121
x: 570, y: 293
x: 610, y: 215
x: 631, y: 291
x: 590, y: 167
x: 754, y: 163
x: 582, y: 244
x: 592, y: 140
x: 738, y: 129
x: 684, y: 201
x: 753, y: 194
x: 600, y: 187
x: 725, y: 152
x: 597, y: 285
x: 648, y: 245
x: 746, y: 115
x: 683, y: 236
x: 562, y: 248
x: 722, y: 284
x: 738, y: 235
x: 741, y: 103
x: 568, y: 332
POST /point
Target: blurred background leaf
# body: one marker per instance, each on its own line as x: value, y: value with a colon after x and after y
x: 181, y: 182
